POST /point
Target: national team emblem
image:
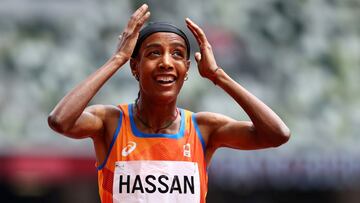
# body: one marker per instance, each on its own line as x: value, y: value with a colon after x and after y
x: 187, y: 151
x: 129, y: 148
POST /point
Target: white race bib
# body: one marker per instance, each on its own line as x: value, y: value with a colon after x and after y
x: 156, y: 181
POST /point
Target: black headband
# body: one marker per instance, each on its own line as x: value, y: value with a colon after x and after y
x: 154, y: 27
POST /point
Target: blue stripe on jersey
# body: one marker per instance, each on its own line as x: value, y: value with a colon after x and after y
x: 112, y: 142
x: 138, y: 133
x: 198, y: 132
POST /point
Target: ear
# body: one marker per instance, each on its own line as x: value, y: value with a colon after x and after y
x: 134, y: 68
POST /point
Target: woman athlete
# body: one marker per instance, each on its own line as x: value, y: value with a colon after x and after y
x: 151, y: 150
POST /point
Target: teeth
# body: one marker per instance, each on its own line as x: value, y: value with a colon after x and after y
x: 165, y: 78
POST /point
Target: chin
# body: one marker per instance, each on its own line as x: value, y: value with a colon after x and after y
x: 165, y: 97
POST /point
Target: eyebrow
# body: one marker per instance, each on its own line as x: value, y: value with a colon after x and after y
x: 158, y: 44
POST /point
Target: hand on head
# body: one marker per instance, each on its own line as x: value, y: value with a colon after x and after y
x: 128, y: 38
x: 127, y: 41
x: 205, y: 58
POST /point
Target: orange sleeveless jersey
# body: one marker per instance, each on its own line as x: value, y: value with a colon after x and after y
x: 130, y: 145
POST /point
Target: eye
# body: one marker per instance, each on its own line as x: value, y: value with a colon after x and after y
x: 154, y: 53
x: 178, y: 53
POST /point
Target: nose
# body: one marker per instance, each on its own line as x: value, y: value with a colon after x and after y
x: 166, y: 63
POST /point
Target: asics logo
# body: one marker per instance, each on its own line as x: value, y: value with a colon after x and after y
x: 128, y: 149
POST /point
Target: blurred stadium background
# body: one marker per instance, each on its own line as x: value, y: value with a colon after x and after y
x: 301, y: 57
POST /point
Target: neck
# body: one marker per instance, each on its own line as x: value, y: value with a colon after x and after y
x: 155, y: 116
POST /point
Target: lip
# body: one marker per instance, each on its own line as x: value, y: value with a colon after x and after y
x: 165, y: 77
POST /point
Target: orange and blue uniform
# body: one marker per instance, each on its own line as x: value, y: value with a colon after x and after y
x: 143, y: 167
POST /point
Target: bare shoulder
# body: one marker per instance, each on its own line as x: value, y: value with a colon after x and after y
x: 208, y: 122
x: 109, y: 115
x: 222, y: 131
x: 210, y: 119
x: 95, y: 121
x: 103, y: 111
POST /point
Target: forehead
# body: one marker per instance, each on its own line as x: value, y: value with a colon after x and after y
x: 163, y: 38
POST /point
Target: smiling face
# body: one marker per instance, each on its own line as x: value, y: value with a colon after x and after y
x: 161, y: 66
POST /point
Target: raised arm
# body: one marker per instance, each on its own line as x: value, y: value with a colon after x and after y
x: 266, y: 129
x: 70, y: 116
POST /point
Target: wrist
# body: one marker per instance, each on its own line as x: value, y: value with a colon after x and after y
x: 119, y: 59
x: 215, y: 75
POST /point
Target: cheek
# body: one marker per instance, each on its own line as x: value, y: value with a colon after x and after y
x: 146, y: 68
x: 182, y: 67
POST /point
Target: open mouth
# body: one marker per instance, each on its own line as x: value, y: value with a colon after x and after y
x: 165, y: 79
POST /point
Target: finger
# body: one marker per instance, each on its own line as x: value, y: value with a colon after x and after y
x: 190, y: 27
x: 199, y: 41
x: 120, y: 37
x: 142, y: 21
x: 200, y: 33
x: 194, y: 33
x: 194, y: 27
x: 138, y: 14
x: 197, y: 57
x: 140, y: 11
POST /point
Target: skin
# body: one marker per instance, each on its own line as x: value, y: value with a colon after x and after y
x: 164, y: 54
